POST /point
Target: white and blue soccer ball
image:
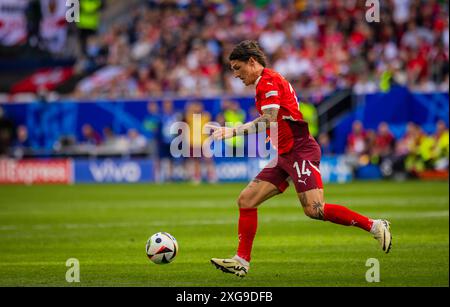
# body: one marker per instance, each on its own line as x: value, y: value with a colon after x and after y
x: 161, y: 248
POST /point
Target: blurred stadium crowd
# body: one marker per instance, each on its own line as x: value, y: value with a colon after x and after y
x: 415, y: 152
x: 181, y: 47
x: 412, y: 154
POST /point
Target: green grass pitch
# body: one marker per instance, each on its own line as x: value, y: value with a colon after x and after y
x: 106, y: 227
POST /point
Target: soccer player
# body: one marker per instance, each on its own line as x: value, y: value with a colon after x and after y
x: 298, y: 158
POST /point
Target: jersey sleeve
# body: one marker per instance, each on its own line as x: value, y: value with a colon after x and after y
x: 269, y: 94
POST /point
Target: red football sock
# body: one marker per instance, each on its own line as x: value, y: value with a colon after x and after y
x: 248, y: 222
x: 344, y: 216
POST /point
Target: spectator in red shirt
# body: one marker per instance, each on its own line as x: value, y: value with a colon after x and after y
x: 90, y: 136
x: 356, y: 141
x: 384, y: 142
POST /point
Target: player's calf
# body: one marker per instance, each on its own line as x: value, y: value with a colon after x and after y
x: 314, y: 211
x: 312, y: 203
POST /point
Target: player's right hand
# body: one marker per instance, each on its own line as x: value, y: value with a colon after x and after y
x: 220, y: 133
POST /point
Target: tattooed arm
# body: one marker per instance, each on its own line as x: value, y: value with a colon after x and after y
x: 259, y: 124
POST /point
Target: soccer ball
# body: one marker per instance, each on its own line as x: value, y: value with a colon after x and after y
x: 161, y: 248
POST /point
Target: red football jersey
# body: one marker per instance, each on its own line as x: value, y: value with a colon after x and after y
x: 273, y: 91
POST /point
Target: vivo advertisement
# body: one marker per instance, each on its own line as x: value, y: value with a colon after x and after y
x: 113, y: 171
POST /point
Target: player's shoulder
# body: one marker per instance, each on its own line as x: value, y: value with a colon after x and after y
x: 270, y: 74
x: 269, y: 79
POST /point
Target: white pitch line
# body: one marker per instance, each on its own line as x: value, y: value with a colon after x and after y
x: 292, y: 218
x: 354, y: 202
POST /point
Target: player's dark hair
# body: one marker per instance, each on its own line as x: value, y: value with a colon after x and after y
x: 248, y: 49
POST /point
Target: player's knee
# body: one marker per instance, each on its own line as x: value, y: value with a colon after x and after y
x: 245, y: 201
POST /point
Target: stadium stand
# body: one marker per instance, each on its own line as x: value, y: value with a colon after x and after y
x: 180, y: 46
